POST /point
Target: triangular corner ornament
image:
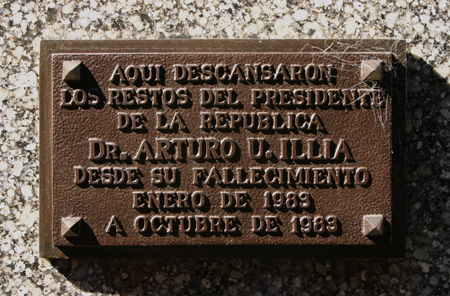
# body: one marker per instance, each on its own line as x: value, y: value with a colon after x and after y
x: 71, y: 226
x: 372, y: 70
x: 72, y: 71
x: 373, y: 225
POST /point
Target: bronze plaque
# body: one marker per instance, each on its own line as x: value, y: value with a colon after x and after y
x: 221, y: 148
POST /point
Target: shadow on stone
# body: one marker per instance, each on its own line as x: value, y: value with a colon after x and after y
x: 425, y: 147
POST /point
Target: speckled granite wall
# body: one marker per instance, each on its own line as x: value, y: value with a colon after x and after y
x: 424, y: 25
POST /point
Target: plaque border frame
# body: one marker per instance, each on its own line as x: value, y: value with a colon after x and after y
x: 397, y: 48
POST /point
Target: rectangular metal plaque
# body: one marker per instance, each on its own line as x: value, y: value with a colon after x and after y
x: 221, y: 148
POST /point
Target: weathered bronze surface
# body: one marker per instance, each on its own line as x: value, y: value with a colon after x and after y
x: 221, y: 148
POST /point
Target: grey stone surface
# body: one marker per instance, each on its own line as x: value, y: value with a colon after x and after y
x: 425, y: 26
